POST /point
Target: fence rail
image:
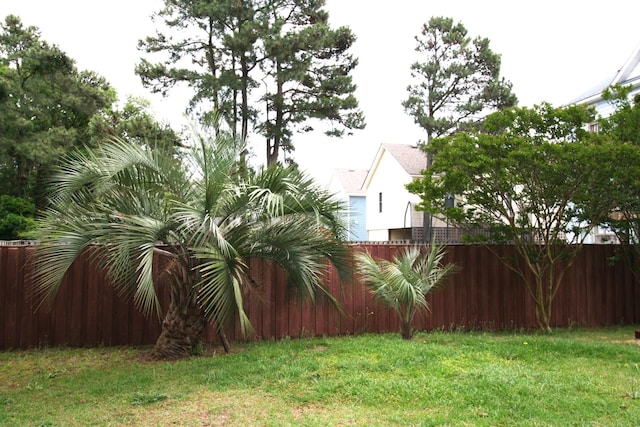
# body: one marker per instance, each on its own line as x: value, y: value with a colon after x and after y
x: 483, y: 294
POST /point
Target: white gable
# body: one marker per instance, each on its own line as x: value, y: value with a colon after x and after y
x: 628, y: 74
x: 387, y: 197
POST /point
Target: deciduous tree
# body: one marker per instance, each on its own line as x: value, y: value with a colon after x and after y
x: 46, y: 105
x: 525, y: 179
x: 621, y: 174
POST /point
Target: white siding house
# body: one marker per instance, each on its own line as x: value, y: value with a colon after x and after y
x: 346, y: 184
x: 390, y: 207
x: 628, y: 74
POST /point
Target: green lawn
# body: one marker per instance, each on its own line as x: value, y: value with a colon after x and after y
x: 569, y: 378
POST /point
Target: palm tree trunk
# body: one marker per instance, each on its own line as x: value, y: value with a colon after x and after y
x: 224, y: 340
x: 184, y: 322
x: 406, y: 330
x: 182, y: 330
x: 406, y: 322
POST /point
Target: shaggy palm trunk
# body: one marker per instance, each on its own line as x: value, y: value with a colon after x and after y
x: 184, y: 322
x: 182, y: 328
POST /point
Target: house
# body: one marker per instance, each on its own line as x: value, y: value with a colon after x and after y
x: 391, y: 213
x: 346, y: 184
x: 627, y: 75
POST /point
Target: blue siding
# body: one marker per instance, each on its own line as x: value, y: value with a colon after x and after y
x: 357, y: 218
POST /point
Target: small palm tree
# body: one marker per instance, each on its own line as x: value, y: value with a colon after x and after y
x: 403, y: 284
x: 202, y: 218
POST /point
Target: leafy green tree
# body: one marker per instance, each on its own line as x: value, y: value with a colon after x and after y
x: 309, y: 65
x: 16, y: 217
x: 46, y: 105
x: 457, y: 83
x: 526, y: 179
x: 133, y: 122
x: 128, y: 204
x: 621, y: 176
x: 403, y: 284
x: 624, y: 124
x: 285, y: 50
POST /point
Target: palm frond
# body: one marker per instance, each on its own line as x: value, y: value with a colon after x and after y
x: 220, y: 287
x: 127, y: 199
x: 299, y: 246
x: 55, y: 255
x: 404, y: 283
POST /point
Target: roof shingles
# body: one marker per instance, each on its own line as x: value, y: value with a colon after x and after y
x: 410, y: 157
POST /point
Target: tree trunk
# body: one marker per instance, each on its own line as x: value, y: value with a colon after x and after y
x: 184, y: 322
x: 543, y: 310
x: 406, y: 320
x: 182, y: 328
x: 406, y: 330
x: 273, y: 147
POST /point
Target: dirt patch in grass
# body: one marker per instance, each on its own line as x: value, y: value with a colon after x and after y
x: 144, y: 355
x: 234, y: 408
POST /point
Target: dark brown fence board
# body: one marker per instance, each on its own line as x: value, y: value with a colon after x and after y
x: 333, y: 318
x: 484, y: 293
x: 320, y: 317
x: 4, y: 303
x: 268, y: 301
x: 294, y: 326
x: 281, y: 309
x: 12, y: 299
x: 93, y: 305
x: 456, y: 300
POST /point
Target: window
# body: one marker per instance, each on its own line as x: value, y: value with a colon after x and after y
x: 449, y: 201
x: 379, y: 202
x: 594, y: 127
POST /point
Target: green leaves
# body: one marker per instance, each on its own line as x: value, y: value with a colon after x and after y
x: 285, y: 51
x: 529, y: 177
x: 16, y: 217
x: 527, y: 171
x: 404, y: 283
x: 457, y: 83
x: 46, y: 105
x: 132, y: 205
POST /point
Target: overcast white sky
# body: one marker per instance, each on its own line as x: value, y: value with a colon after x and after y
x: 552, y: 50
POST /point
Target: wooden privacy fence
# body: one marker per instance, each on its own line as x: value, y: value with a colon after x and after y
x: 483, y: 294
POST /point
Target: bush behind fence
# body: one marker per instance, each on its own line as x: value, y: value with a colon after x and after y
x: 483, y: 294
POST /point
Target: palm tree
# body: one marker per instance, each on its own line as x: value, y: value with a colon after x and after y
x: 403, y: 284
x: 202, y: 218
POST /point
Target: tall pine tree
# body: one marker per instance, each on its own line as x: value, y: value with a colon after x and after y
x: 271, y: 66
x: 458, y: 81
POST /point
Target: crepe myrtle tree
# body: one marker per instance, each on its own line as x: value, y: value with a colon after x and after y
x: 527, y: 179
x: 621, y: 131
x: 128, y: 204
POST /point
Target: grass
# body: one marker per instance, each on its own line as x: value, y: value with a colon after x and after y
x: 569, y: 378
